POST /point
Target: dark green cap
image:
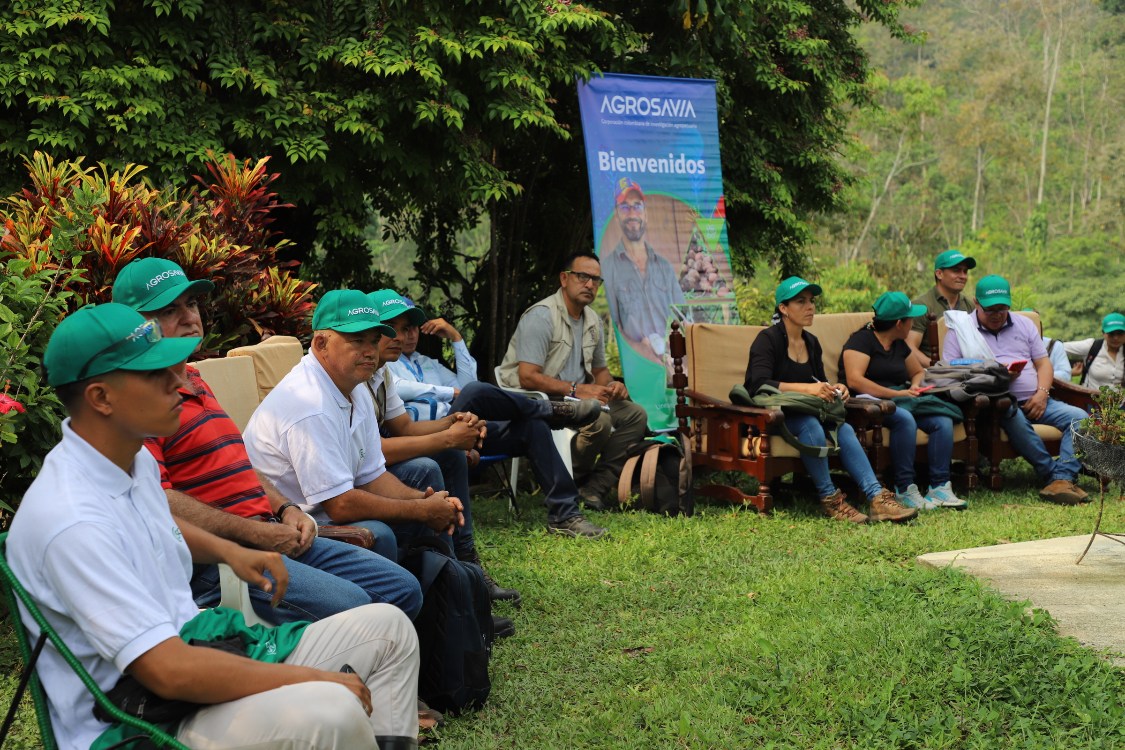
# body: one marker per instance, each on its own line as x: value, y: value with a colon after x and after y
x: 994, y: 290
x: 951, y: 258
x: 391, y: 304
x: 149, y: 284
x: 1113, y: 322
x: 102, y: 338
x: 348, y: 311
x: 896, y: 306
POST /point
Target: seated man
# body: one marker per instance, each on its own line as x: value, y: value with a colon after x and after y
x: 98, y: 550
x: 951, y: 274
x: 559, y: 348
x: 517, y: 426
x: 426, y: 386
x: 1012, y: 338
x: 210, y: 482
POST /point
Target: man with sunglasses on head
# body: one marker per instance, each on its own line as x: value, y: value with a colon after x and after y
x: 640, y: 285
x: 97, y: 549
x: 1014, y: 338
x: 559, y: 348
x: 209, y: 480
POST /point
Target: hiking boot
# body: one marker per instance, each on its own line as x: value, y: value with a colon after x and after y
x: 836, y: 507
x: 502, y: 627
x: 591, y: 500
x: 573, y: 413
x: 885, y: 507
x: 943, y: 497
x: 429, y: 718
x: 496, y: 592
x: 912, y: 498
x: 576, y: 526
x: 1063, y: 492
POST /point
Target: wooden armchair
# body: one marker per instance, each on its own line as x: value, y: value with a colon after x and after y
x: 708, y: 360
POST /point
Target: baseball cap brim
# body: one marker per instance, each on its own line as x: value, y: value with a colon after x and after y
x: 917, y: 311
x: 814, y: 288
x: 361, y: 325
x: 170, y: 295
x: 163, y: 353
x: 413, y: 314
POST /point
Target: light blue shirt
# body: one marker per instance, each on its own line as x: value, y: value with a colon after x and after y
x: 420, y: 379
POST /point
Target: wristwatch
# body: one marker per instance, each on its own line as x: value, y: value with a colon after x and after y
x: 281, y: 511
x: 573, y: 389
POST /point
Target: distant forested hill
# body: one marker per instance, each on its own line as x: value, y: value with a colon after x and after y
x: 1002, y: 134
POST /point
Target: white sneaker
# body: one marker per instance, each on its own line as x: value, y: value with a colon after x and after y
x: 943, y: 496
x: 912, y: 498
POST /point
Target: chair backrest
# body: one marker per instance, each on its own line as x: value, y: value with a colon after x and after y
x: 12, y: 591
x: 235, y: 385
x: 942, y: 328
x: 273, y: 359
x: 833, y: 331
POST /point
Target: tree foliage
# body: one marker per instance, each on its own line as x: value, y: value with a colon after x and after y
x: 437, y: 114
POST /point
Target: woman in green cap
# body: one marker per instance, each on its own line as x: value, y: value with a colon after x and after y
x: 1102, y: 361
x: 877, y: 362
x: 789, y: 358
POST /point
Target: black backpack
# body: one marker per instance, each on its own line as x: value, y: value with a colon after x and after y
x: 658, y: 473
x: 454, y: 627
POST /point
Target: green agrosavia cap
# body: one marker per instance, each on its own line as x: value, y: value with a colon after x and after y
x: 391, y: 304
x: 951, y: 258
x: 102, y: 338
x: 348, y: 311
x: 149, y: 284
x: 896, y: 306
x: 1113, y: 322
x: 994, y: 290
x: 791, y: 287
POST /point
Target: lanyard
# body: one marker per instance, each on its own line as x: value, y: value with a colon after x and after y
x: 415, y: 370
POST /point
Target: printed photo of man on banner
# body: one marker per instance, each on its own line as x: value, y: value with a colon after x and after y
x: 652, y: 148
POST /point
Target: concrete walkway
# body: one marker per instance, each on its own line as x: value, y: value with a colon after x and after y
x: 1087, y: 600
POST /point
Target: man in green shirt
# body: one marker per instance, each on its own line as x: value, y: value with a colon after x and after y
x: 951, y: 274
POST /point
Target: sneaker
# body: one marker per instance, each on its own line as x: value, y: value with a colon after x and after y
x: 912, y: 498
x: 885, y: 507
x: 502, y: 627
x: 498, y: 593
x: 576, y: 526
x: 836, y: 507
x: 1063, y: 492
x: 573, y: 413
x: 591, y: 500
x: 943, y: 497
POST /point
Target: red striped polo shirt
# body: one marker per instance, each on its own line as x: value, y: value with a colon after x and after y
x: 206, y: 458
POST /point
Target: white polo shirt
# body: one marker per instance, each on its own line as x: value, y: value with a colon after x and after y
x: 99, y: 552
x: 312, y: 441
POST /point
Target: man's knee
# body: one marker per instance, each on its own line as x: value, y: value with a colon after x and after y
x: 629, y: 416
x: 322, y: 713
x: 601, y: 426
x: 419, y: 473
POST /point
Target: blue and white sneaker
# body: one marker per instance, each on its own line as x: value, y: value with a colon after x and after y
x: 942, y: 496
x: 912, y: 498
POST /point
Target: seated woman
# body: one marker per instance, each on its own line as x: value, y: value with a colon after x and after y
x: 1103, y: 363
x: 789, y: 358
x: 877, y: 362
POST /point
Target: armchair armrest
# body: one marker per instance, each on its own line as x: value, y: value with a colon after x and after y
x: 771, y: 416
x: 1075, y: 395
x: 357, y: 535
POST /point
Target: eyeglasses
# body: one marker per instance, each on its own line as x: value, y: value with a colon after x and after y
x: 995, y: 311
x: 585, y: 278
x: 149, y: 331
x: 631, y: 208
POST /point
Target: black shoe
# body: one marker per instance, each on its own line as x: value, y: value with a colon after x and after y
x: 503, y: 627
x: 498, y: 593
x: 573, y: 413
x: 576, y: 526
x: 592, y: 501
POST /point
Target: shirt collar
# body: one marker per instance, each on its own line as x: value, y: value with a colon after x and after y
x: 1007, y: 324
x: 99, y: 470
x: 324, y: 381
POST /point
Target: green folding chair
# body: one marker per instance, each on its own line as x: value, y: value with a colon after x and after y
x: 29, y: 679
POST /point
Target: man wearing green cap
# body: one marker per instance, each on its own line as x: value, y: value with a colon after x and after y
x: 210, y: 482
x: 1013, y: 338
x: 951, y: 274
x: 95, y: 545
x: 316, y: 435
x: 1102, y: 362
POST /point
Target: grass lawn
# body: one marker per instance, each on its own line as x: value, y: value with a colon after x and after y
x: 733, y: 630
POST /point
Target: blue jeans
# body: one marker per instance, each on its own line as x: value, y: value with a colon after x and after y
x: 810, y: 431
x: 1023, y: 438
x: 903, y: 427
x: 331, y: 577
x: 516, y: 428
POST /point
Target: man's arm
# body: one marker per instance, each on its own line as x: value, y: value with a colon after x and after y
x: 409, y: 439
x: 914, y: 340
x: 293, y: 517
x: 1045, y: 374
x: 387, y: 499
x: 615, y: 389
x: 276, y: 537
x: 533, y: 379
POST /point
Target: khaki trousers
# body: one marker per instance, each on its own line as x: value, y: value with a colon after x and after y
x: 599, y: 447
x: 377, y: 641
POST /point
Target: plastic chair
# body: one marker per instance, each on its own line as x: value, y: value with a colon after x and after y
x: 562, y: 436
x: 29, y: 679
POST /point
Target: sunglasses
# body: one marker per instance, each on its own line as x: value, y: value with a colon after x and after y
x: 149, y: 331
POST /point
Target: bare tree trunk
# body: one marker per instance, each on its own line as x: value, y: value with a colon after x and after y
x: 978, y: 188
x: 1047, y: 122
